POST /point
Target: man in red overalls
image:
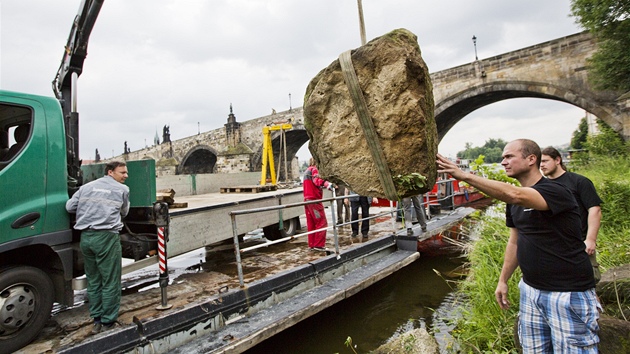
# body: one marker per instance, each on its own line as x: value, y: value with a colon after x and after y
x: 315, y: 216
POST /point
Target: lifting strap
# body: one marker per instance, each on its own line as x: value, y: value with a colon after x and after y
x: 360, y: 107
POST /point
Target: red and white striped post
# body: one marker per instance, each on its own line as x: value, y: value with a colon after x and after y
x: 162, y: 252
x: 162, y: 221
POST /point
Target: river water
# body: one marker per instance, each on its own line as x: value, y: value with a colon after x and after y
x: 420, y: 295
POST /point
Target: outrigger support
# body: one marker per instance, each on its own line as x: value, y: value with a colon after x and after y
x: 160, y: 211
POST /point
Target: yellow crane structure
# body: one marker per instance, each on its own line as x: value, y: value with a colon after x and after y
x: 267, y: 151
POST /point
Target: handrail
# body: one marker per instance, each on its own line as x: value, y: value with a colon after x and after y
x: 233, y: 214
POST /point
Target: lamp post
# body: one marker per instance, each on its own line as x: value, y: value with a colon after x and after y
x: 474, y: 39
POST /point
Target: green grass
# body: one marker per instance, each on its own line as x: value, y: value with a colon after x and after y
x: 483, y: 326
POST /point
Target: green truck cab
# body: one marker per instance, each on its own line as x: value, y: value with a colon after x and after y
x: 39, y: 250
x: 36, y: 240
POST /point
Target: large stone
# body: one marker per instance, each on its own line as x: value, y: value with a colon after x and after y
x: 397, y: 88
x: 416, y: 341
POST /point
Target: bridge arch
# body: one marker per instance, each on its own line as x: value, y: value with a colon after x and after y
x: 199, y: 159
x: 452, y: 109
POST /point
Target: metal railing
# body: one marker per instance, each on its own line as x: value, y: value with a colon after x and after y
x: 334, y: 227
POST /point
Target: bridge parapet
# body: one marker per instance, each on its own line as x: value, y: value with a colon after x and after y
x: 555, y: 70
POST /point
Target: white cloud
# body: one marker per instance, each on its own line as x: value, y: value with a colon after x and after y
x: 181, y: 63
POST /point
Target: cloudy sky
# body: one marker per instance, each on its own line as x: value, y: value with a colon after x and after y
x: 182, y: 63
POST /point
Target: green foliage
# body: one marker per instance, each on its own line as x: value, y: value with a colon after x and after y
x: 607, y: 143
x: 411, y: 182
x: 493, y: 171
x: 610, y: 65
x: 492, y: 150
x: 483, y: 326
x: 304, y: 166
x: 350, y: 345
x: 578, y: 140
x: 608, y: 21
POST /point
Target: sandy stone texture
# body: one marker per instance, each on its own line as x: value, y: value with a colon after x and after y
x: 399, y: 95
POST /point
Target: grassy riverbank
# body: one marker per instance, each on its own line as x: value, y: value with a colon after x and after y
x: 484, y: 327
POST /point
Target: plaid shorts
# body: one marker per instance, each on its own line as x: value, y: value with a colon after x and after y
x: 558, y: 322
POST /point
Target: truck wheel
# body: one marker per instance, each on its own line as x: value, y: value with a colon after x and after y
x: 26, y: 299
x: 273, y: 232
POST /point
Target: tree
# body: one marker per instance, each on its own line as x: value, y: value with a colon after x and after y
x: 609, y: 22
x: 579, y: 135
x: 492, y: 151
x: 607, y: 143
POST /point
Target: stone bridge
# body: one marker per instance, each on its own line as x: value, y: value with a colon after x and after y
x: 552, y: 70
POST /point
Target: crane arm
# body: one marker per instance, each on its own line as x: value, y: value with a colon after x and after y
x: 76, y: 47
x: 64, y: 84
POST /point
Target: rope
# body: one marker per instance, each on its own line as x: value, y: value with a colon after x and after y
x: 360, y: 107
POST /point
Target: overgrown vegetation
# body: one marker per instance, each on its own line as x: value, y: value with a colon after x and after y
x: 608, y: 21
x: 485, y: 328
x: 578, y: 140
x: 493, y: 171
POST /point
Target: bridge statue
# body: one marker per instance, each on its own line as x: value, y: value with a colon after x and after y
x: 166, y: 135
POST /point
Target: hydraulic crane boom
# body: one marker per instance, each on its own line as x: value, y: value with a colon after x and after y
x: 64, y: 84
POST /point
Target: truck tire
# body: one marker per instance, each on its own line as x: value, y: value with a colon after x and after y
x: 273, y: 232
x: 26, y: 299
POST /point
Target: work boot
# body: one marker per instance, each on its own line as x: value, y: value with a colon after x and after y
x: 424, y: 228
x: 355, y: 235
x: 365, y: 237
x: 97, y: 328
x: 108, y: 326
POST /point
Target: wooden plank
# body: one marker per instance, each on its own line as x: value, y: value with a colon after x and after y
x: 178, y: 205
x: 249, y: 189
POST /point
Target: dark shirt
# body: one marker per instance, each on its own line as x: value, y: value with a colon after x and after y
x: 585, y: 194
x: 550, y: 251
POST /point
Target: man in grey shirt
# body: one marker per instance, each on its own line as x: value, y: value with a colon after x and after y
x: 99, y: 207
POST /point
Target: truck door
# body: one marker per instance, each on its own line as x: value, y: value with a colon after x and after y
x: 22, y: 168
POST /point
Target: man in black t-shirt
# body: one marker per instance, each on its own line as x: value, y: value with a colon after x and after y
x: 558, y: 306
x: 586, y: 196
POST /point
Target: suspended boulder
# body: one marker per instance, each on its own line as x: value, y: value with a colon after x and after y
x: 380, y: 133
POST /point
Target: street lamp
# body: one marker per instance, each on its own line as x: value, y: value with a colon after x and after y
x: 475, y: 44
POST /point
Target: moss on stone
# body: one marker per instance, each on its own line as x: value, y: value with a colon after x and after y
x: 166, y: 162
x: 239, y: 149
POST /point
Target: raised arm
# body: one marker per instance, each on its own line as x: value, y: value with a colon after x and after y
x: 523, y: 196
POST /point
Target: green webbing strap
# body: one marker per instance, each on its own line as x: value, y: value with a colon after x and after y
x: 367, y: 124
